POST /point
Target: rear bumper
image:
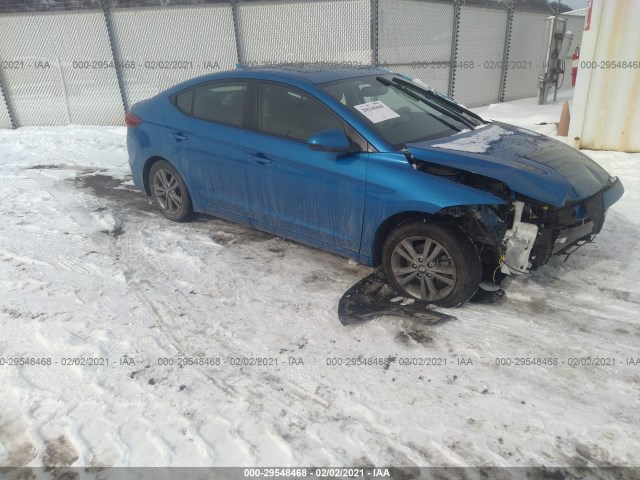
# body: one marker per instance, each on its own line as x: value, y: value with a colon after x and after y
x: 135, y: 159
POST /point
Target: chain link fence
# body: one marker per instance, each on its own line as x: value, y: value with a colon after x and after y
x: 415, y: 39
x: 480, y: 57
x: 88, y: 61
x: 43, y: 56
x: 157, y: 47
x: 525, y: 51
x: 326, y: 31
x: 5, y: 118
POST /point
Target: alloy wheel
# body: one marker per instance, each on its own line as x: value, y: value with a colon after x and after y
x: 424, y: 268
x: 167, y: 191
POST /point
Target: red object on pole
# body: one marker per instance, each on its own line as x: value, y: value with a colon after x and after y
x: 587, y: 23
x: 574, y: 66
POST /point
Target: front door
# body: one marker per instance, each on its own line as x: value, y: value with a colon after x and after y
x: 318, y: 195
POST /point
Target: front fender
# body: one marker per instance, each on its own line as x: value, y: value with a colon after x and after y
x: 395, y: 187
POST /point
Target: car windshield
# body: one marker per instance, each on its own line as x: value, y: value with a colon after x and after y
x: 400, y: 111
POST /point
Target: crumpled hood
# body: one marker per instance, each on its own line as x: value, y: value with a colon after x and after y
x: 531, y: 164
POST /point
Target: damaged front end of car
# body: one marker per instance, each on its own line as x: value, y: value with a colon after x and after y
x: 523, y: 233
x: 562, y: 229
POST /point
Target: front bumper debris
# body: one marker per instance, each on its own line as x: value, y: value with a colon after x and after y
x: 574, y: 223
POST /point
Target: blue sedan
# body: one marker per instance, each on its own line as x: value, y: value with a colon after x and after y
x: 372, y: 166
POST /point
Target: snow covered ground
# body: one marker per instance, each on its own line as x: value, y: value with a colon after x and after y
x: 89, y: 269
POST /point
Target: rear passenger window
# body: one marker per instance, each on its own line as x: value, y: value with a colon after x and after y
x: 184, y: 101
x: 220, y: 102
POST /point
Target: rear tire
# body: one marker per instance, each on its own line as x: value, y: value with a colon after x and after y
x: 432, y: 263
x: 169, y: 192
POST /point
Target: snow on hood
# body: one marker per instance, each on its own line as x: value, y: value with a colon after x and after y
x: 478, y: 143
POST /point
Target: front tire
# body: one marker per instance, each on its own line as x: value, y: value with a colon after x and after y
x: 432, y: 263
x: 169, y: 192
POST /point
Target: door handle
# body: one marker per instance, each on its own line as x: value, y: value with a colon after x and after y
x: 179, y: 136
x: 260, y: 159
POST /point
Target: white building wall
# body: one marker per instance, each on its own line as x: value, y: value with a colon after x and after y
x: 606, y: 105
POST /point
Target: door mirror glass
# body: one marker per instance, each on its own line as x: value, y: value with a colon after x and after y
x: 333, y: 140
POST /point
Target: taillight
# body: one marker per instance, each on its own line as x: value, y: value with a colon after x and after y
x: 131, y: 121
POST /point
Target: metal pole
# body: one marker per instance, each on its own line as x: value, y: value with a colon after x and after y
x: 117, y: 61
x: 555, y: 92
x: 236, y: 30
x: 375, y: 60
x: 505, y: 54
x: 454, y: 48
x: 7, y: 102
x: 64, y: 90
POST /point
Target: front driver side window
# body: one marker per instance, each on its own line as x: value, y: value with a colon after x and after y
x: 290, y: 113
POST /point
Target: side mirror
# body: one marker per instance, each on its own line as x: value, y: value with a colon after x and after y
x: 330, y: 141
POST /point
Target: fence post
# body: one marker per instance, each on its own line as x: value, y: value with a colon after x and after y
x: 454, y: 48
x: 7, y: 102
x: 375, y: 60
x: 117, y: 61
x: 505, y: 54
x: 236, y: 30
x: 63, y: 84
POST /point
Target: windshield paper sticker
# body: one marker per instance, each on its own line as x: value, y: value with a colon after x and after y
x: 376, y: 111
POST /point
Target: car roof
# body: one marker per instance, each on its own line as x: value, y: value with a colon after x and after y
x: 288, y: 73
x: 313, y: 73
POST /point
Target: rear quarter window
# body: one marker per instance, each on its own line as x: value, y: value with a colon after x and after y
x: 184, y: 101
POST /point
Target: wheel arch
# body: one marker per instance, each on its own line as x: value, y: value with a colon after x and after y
x: 391, y: 223
x: 441, y: 217
x: 147, y: 168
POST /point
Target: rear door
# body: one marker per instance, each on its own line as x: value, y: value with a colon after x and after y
x: 206, y: 140
x: 318, y: 195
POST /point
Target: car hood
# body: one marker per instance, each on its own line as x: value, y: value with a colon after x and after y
x: 531, y: 164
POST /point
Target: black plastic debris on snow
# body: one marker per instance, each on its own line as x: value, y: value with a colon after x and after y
x: 372, y: 297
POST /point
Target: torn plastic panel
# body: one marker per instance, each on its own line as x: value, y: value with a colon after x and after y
x: 562, y: 228
x: 524, y: 234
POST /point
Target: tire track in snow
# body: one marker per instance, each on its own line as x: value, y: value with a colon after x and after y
x: 254, y: 394
x: 167, y: 311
